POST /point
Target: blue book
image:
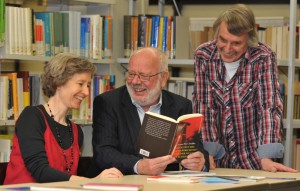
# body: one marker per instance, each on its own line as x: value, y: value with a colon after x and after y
x: 84, y: 37
x: 155, y: 29
x: 47, y: 18
x: 165, y: 32
x: 96, y: 86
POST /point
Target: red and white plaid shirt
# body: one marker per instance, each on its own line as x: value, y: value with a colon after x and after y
x: 243, y: 114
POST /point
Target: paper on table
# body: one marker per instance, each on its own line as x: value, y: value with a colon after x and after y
x: 217, y: 180
x: 187, y: 173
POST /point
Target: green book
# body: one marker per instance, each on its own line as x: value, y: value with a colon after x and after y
x: 2, y: 23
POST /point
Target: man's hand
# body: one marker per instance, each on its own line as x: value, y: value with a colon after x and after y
x: 154, y: 166
x: 212, y: 164
x: 194, y: 161
x: 268, y: 165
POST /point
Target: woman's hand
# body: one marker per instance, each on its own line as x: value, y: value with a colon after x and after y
x: 110, y: 173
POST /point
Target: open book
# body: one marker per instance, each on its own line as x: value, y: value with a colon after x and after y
x: 161, y: 135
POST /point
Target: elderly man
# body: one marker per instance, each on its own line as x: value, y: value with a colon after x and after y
x: 118, y: 115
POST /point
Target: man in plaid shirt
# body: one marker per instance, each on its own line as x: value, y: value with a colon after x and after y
x: 237, y: 91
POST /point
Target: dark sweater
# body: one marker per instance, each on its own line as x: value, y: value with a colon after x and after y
x: 30, y: 129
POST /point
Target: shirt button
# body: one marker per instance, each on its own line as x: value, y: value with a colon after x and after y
x: 227, y: 107
x: 226, y: 89
x: 250, y: 89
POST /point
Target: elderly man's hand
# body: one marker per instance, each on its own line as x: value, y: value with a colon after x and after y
x: 194, y: 161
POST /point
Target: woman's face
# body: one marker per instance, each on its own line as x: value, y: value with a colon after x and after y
x: 75, y: 90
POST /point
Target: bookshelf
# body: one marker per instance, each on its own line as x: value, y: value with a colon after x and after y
x: 35, y: 63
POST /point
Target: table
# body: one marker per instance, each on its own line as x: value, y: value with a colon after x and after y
x: 266, y: 184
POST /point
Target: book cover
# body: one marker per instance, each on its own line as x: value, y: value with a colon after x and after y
x: 111, y: 186
x: 161, y: 135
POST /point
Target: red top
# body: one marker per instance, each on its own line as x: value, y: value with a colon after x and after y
x: 16, y: 170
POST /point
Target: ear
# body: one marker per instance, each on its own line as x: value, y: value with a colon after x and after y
x: 164, y: 79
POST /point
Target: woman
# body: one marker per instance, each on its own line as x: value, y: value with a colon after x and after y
x: 46, y: 144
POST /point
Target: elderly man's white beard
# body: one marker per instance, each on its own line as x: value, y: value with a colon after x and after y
x: 152, y: 97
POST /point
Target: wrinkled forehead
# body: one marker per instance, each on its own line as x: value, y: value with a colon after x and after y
x: 144, y: 62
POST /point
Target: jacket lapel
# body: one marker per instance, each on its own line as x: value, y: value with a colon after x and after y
x: 131, y: 117
x: 167, y: 107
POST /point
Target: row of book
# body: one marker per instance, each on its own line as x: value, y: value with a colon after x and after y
x: 19, y: 89
x: 50, y: 33
x: 163, y: 32
x: 2, y: 23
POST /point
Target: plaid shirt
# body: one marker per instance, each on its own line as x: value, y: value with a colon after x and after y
x: 243, y: 114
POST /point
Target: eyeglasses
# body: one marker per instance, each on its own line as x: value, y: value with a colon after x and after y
x: 142, y: 77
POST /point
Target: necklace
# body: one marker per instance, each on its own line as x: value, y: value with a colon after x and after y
x: 68, y: 166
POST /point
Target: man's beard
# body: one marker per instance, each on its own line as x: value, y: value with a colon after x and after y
x: 151, y: 98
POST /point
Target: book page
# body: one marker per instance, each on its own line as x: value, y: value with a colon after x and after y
x: 162, y: 116
x: 187, y: 116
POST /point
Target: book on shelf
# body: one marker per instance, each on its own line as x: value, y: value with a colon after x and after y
x: 2, y: 23
x: 57, y: 33
x: 171, y: 179
x: 4, y: 97
x: 127, y: 36
x: 13, y: 92
x: 112, y: 186
x: 134, y: 33
x: 181, y: 36
x: 66, y: 31
x: 107, y: 37
x: 5, y: 149
x: 85, y: 36
x: 26, y: 86
x: 161, y: 135
x: 47, y: 18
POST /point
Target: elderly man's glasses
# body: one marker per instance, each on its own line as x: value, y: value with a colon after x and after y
x: 142, y: 77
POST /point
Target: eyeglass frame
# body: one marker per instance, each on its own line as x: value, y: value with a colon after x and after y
x: 139, y: 75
